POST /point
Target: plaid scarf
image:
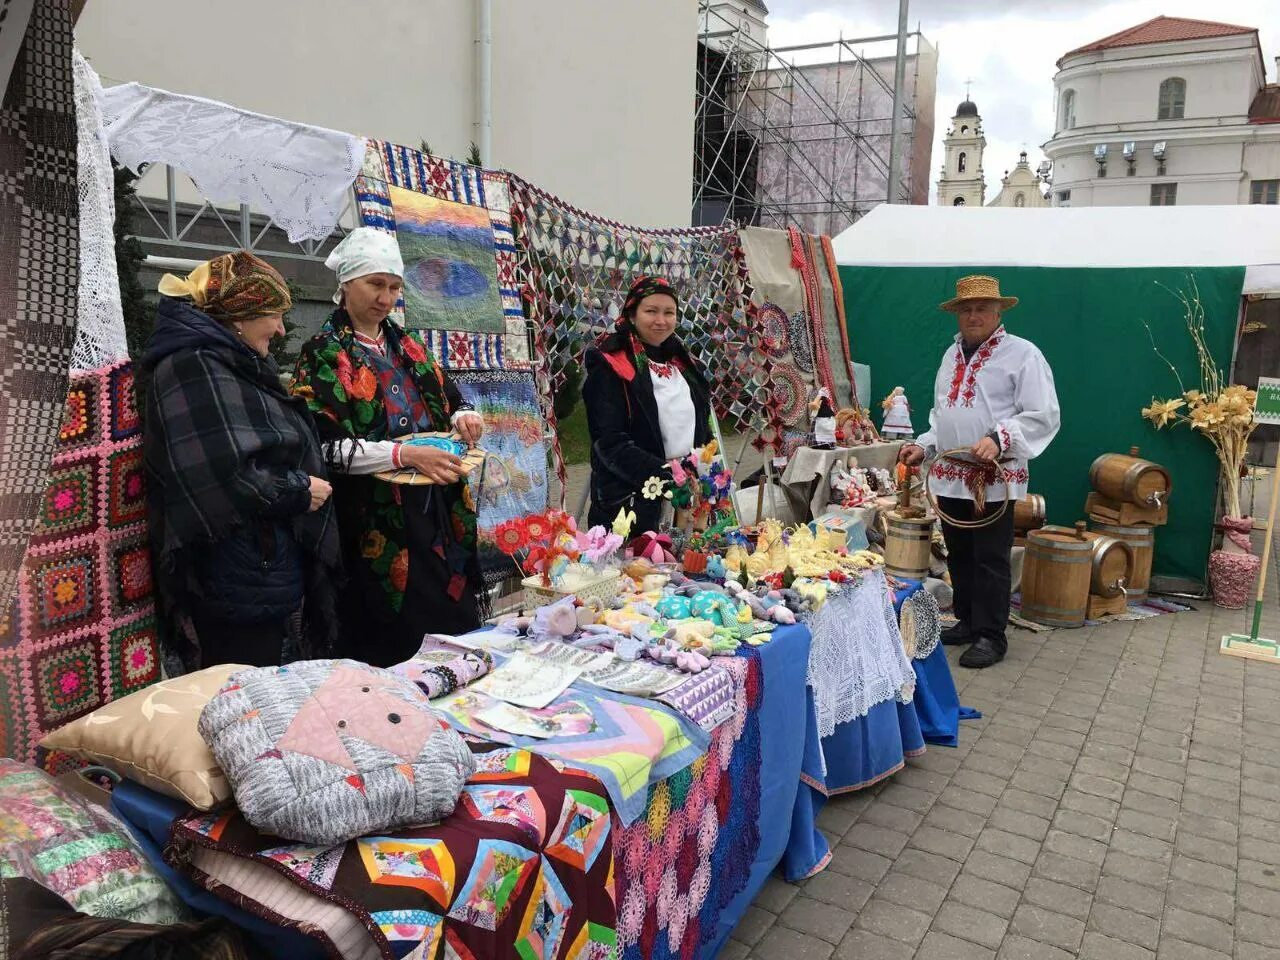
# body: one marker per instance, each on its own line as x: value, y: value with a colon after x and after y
x: 224, y: 442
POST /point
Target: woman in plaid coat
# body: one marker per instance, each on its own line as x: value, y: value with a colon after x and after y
x: 244, y: 540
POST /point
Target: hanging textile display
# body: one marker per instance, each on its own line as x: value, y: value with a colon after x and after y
x: 100, y: 334
x: 80, y: 630
x: 453, y: 223
x: 785, y: 333
x: 299, y: 175
x: 514, y: 479
x: 38, y: 274
x: 575, y: 269
x: 845, y: 361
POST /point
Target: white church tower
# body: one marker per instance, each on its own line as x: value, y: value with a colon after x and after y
x: 962, y: 183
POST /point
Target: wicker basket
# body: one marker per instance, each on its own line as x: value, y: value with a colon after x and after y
x: 602, y: 589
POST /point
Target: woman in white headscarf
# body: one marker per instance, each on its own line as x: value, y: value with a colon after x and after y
x: 410, y: 550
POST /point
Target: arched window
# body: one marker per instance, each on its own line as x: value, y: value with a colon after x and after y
x: 1067, y: 120
x: 1020, y: 200
x: 958, y: 202
x: 1173, y: 99
x: 960, y: 165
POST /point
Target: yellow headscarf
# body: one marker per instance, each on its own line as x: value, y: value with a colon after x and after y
x: 235, y: 286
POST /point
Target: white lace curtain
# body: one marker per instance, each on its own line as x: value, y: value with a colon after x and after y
x: 299, y: 175
x: 100, y: 334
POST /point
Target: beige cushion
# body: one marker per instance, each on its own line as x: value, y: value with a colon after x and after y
x: 151, y: 737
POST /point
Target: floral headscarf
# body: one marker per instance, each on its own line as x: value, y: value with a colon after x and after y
x: 645, y: 286
x: 234, y: 286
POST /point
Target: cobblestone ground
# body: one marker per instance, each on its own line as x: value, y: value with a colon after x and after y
x: 1119, y: 800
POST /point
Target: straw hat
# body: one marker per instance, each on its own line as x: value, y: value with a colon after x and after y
x: 977, y: 288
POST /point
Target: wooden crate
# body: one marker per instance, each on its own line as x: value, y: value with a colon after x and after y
x: 1102, y: 510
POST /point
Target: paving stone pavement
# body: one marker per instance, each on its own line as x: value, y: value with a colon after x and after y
x: 1120, y: 798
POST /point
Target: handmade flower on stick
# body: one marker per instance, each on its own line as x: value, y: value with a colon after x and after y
x: 623, y: 522
x: 653, y: 488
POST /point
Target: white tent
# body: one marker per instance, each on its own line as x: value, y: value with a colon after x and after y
x: 895, y: 235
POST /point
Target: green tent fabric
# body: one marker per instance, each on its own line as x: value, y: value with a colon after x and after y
x: 1089, y: 324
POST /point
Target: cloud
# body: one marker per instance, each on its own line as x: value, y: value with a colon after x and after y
x: 1009, y: 53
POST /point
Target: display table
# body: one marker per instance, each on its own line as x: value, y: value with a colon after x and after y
x: 711, y: 835
x: 808, y: 464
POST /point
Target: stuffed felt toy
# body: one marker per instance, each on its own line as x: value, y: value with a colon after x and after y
x: 675, y: 607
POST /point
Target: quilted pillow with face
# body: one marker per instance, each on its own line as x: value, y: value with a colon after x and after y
x: 322, y: 751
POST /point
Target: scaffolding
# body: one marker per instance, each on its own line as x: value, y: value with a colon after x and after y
x: 800, y: 135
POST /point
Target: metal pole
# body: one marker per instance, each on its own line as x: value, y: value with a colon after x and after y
x: 899, y: 78
x: 484, y: 82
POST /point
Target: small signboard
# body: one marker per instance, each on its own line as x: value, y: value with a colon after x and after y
x: 1267, y: 407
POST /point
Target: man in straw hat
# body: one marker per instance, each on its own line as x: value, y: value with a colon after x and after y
x: 994, y: 408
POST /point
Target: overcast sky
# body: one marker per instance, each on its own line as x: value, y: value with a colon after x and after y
x: 1009, y: 50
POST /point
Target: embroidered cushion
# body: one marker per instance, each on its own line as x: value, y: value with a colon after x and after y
x: 150, y: 737
x: 323, y: 751
x: 78, y: 850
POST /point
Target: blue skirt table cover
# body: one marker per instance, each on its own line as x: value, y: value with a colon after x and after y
x: 869, y: 749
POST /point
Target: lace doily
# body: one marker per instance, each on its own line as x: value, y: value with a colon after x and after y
x: 300, y: 176
x: 856, y: 660
x: 100, y: 335
x: 920, y: 610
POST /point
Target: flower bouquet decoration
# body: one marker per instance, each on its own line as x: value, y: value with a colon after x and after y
x: 1223, y: 415
x: 545, y: 539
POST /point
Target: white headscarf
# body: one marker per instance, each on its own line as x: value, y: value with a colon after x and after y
x: 363, y: 251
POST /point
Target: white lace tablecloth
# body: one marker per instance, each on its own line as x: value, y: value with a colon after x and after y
x: 856, y: 658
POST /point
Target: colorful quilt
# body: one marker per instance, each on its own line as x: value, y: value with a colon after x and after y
x: 522, y: 870
x: 628, y: 743
x: 575, y: 269
x: 453, y: 222
x: 80, y: 630
x: 514, y: 481
x: 39, y: 273
x: 681, y: 864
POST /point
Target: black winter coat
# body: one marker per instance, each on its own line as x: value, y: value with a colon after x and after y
x: 626, y: 440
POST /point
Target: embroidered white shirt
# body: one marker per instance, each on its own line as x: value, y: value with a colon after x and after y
x: 1005, y: 388
x: 676, y: 417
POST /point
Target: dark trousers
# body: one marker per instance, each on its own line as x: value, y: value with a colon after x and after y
x: 253, y: 644
x: 978, y: 559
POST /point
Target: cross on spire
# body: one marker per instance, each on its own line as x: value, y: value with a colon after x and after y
x: 967, y: 85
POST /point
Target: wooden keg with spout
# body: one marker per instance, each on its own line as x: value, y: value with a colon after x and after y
x: 1056, y: 573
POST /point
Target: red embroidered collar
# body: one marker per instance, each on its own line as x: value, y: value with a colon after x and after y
x: 960, y: 367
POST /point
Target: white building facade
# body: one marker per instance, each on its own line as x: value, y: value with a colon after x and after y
x: 1164, y: 113
x: 962, y: 183
x: 1021, y: 187
x: 578, y: 103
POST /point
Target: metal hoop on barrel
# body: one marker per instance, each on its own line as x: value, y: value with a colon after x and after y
x: 986, y: 521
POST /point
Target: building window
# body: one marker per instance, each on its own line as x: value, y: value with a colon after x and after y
x: 1173, y: 99
x: 1164, y: 194
x: 1064, y: 198
x: 1264, y: 191
x: 1068, y: 118
x: 958, y: 202
x: 1020, y: 200
x: 961, y: 163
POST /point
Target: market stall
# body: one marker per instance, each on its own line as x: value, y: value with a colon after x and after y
x: 1099, y: 297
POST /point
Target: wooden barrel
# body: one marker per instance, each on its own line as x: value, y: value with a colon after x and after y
x: 1143, y: 542
x: 1028, y: 513
x: 1056, y: 571
x: 906, y: 547
x: 1112, y: 566
x: 1129, y: 479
